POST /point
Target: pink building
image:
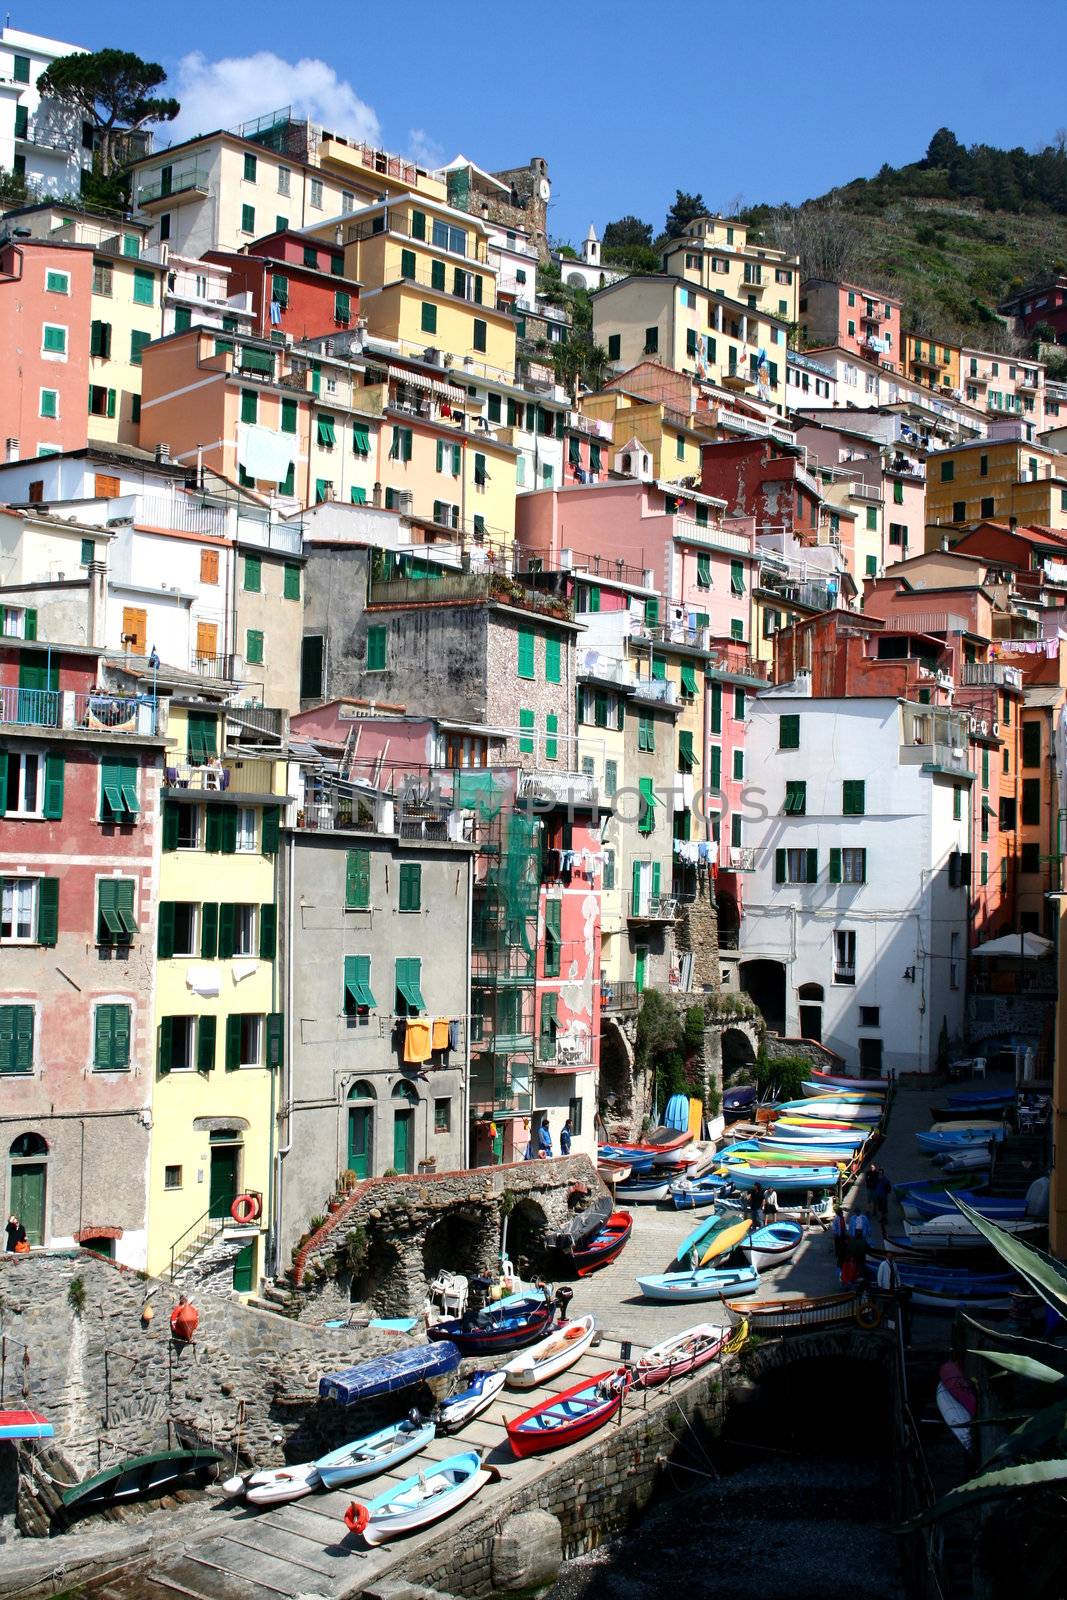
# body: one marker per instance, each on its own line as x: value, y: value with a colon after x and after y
x: 45, y: 312
x: 730, y: 680
x: 895, y: 471
x: 863, y: 321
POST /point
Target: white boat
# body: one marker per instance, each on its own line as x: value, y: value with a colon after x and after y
x: 459, y: 1409
x: 550, y: 1356
x: 682, y: 1353
x: 951, y: 1228
x: 769, y: 1245
x: 643, y: 1190
x: 378, y: 1452
x: 274, y: 1487
x: 705, y: 1283
x: 434, y: 1493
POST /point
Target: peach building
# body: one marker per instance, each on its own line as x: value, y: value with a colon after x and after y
x: 45, y: 292
x: 863, y: 321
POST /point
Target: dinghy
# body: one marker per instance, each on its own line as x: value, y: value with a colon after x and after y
x: 25, y: 1425
x: 838, y: 1080
x: 692, y: 1194
x: 956, y: 1401
x: 386, y: 1374
x: 581, y: 1226
x: 813, y: 1090
x: 822, y: 1110
x: 378, y: 1452
x: 435, y: 1492
x: 284, y: 1483
x: 780, y: 1316
x: 683, y: 1353
x: 604, y: 1246
x: 768, y: 1246
x: 507, y: 1325
x: 951, y: 1230
x: 783, y: 1177
x: 706, y: 1283
x: 137, y: 1476
x: 552, y: 1356
x: 957, y: 1138
x: 570, y: 1416
x: 454, y: 1413
x: 920, y: 1200
x: 643, y: 1190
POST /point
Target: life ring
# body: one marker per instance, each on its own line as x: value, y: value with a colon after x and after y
x: 356, y: 1517
x: 868, y: 1313
x: 246, y: 1208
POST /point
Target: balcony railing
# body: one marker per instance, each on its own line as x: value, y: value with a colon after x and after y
x: 232, y: 775
x: 620, y: 996
x: 555, y: 788
x: 991, y: 672
x: 182, y: 180
x: 711, y: 534
x: 473, y: 587
x: 844, y: 973
x: 97, y: 713
x: 651, y: 907
x: 222, y: 669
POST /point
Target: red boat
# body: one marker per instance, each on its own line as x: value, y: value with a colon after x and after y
x: 662, y: 1140
x: 570, y: 1416
x: 605, y: 1245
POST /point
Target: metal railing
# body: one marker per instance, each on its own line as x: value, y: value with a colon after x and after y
x: 651, y: 907
x: 101, y: 713
x: 991, y: 672
x: 182, y: 180
x: 581, y: 563
x: 37, y: 708
x: 623, y: 995
x: 224, y: 669
x: 269, y: 720
x: 552, y: 787
x: 473, y: 587
x: 188, y: 1245
x: 711, y: 533
x: 232, y: 775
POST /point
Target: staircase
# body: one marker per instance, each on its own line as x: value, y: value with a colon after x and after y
x: 274, y: 1297
x: 203, y: 1257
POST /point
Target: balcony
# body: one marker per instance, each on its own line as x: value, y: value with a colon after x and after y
x: 1030, y: 381
x: 173, y: 187
x: 657, y: 691
x: 947, y: 757
x: 558, y: 788
x: 844, y: 974
x: 233, y: 775
x: 710, y: 534
x: 979, y: 378
x: 620, y: 996
x: 567, y: 1057
x: 981, y: 673
x: 220, y: 669
x: 742, y: 858
x: 137, y: 715
x: 651, y: 908
x: 472, y: 587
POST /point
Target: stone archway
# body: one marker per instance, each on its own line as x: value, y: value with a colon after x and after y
x: 739, y: 1048
x: 764, y: 981
x: 382, y: 1283
x: 461, y: 1240
x: 616, y: 1084
x: 526, y: 1237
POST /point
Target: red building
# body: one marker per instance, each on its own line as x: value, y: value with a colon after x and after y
x: 45, y: 311
x: 297, y: 285
x: 79, y: 805
x: 1044, y: 302
x: 765, y: 479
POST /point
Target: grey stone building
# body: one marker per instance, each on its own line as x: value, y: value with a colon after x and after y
x: 376, y: 929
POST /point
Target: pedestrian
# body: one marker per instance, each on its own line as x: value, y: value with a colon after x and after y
x: 859, y: 1233
x: 839, y: 1232
x: 870, y: 1185
x: 851, y: 1271
x: 756, y: 1197
x: 882, y: 1192
x: 544, y: 1141
x: 565, y: 1138
x: 16, y: 1233
x: 770, y: 1205
x: 888, y: 1278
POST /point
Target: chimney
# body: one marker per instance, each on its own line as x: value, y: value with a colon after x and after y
x: 162, y: 454
x: 1013, y: 523
x: 11, y: 449
x: 98, y: 604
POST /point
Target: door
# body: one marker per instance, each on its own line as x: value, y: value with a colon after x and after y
x: 360, y: 1140
x: 403, y: 1138
x: 223, y: 1188
x: 27, y: 1197
x: 207, y: 635
x: 811, y: 1023
x: 640, y: 966
x: 870, y: 1058
x: 244, y: 1270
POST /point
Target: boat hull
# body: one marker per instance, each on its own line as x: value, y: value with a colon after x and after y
x: 606, y: 1247
x: 425, y: 1498
x: 25, y: 1425
x: 390, y: 1446
x: 569, y: 1417
x: 497, y: 1335
x: 141, y: 1475
x: 770, y: 1245
x: 552, y: 1356
x: 455, y: 1412
x: 685, y: 1353
x: 706, y: 1283
x: 284, y: 1484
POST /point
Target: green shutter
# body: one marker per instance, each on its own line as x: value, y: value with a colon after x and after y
x: 548, y: 1026
x: 228, y: 831
x: 716, y: 708
x: 704, y: 571
x: 377, y: 649
x: 410, y: 886
x: 253, y: 574
x: 275, y: 1040
x: 165, y: 931
x: 526, y: 724
x: 47, y: 910
x: 812, y: 867
x: 526, y: 654
x: 291, y: 581
x: 209, y: 931
x: 407, y: 263
x: 551, y: 744
x: 789, y: 732
x: 853, y: 797
x: 165, y: 1049
x: 227, y: 919
x: 357, y: 880
x: 268, y: 932
x: 779, y: 866
x: 553, y: 672
x: 233, y: 1042
x: 647, y: 821
x: 716, y: 766
x: 686, y: 757
x: 103, y: 1053
x: 428, y: 320
x: 835, y: 865
x: 270, y: 830
x: 206, y: 1032
x: 553, y: 937
x: 659, y: 669
x: 289, y: 410
x: 53, y: 786
x: 689, y: 678
x: 254, y: 647
x: 213, y: 830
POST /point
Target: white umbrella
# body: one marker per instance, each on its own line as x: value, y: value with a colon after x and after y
x: 1023, y: 946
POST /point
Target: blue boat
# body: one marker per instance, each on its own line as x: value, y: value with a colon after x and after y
x: 376, y: 1452
x: 930, y: 1200
x: 636, y: 1160
x: 953, y: 1139
x: 706, y: 1283
x: 736, y: 1102
x: 508, y: 1325
x: 694, y: 1194
x: 780, y: 1178
x: 990, y: 1099
x: 387, y: 1374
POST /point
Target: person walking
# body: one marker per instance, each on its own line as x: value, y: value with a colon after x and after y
x: 565, y: 1138
x: 756, y: 1197
x: 544, y: 1141
x: 16, y: 1233
x: 839, y: 1233
x: 770, y: 1205
x: 870, y: 1186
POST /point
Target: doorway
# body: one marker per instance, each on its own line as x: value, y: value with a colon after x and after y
x: 244, y: 1270
x: 361, y: 1129
x: 811, y: 996
x: 405, y: 1100
x: 870, y: 1058
x: 225, y: 1170
x: 28, y: 1186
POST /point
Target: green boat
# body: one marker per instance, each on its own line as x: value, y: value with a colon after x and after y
x: 138, y: 1475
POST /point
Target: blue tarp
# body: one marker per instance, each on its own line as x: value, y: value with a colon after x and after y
x: 385, y: 1374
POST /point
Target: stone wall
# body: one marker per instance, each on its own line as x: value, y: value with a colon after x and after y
x: 775, y: 1046
x: 697, y: 929
x: 990, y: 1015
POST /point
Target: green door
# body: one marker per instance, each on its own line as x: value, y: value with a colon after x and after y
x: 27, y: 1197
x: 223, y: 1189
x: 360, y: 1139
x: 403, y: 1130
x: 244, y: 1270
x: 640, y: 963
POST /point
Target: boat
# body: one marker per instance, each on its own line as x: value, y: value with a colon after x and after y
x: 814, y: 1090
x: 822, y: 1110
x: 274, y: 1488
x: 783, y: 1177
x: 768, y: 1246
x: 976, y: 1099
x: 377, y: 1452
x: 625, y: 1155
x: 454, y: 1413
x: 608, y: 1172
x: 782, y: 1316
x: 920, y: 1200
x: 139, y: 1475
x: 691, y: 1194
x: 426, y: 1497
x: 829, y: 1125
x: 840, y: 1080
x: 663, y: 1139
x: 25, y: 1425
x: 605, y: 1246
x: 956, y: 1138
x: 643, y: 1190
x: 736, y: 1102
x: 705, y: 1283
x: 952, y: 1300
x: 551, y: 1356
x: 975, y: 1160
x: 687, y: 1352
x: 711, y: 1237
x: 952, y: 1229
x: 956, y: 1401
x: 582, y: 1225
x: 386, y: 1374
x: 975, y: 1124
x: 507, y: 1325
x: 801, y: 1135
x: 570, y: 1416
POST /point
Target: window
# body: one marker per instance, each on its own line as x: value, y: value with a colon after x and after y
x: 646, y: 732
x: 739, y: 764
x: 957, y: 803
x: 853, y: 797
x: 23, y: 784
x: 410, y: 886
x: 737, y: 577
x: 178, y: 928
x: 526, y: 667
x: 480, y: 333
x: 250, y: 168
x: 400, y: 448
x: 614, y: 346
x: 986, y: 506
x: 358, y: 997
x: 796, y: 798
x: 898, y: 492
x: 651, y: 341
x: 172, y: 1177
x: 646, y: 822
x: 442, y: 1116
x: 789, y: 732
x: 796, y: 866
x: 428, y: 320
x: 144, y: 287
x: 118, y: 790
x: 21, y: 69
x: 844, y: 956
x: 178, y: 1044
x: 553, y: 937
x: 377, y: 649
x: 248, y: 219
x: 253, y: 574
x: 737, y: 629
x: 18, y: 909
x: 357, y: 880
x: 16, y: 1039
x: 1031, y: 858
x: 101, y: 401
x: 409, y: 1000
x: 244, y: 1041
x: 526, y: 725
x: 686, y: 755
x: 116, y: 923
x: 704, y: 572
x: 244, y: 930
x: 57, y: 282
x: 1031, y: 808
x: 948, y: 471
x: 111, y: 1038
x: 54, y: 340
x: 611, y: 778
x: 342, y: 307
x: 49, y: 404
x: 869, y: 1016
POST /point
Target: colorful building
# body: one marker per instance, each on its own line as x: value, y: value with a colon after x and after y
x: 996, y: 478
x: 932, y: 363
x: 1004, y: 386
x: 718, y: 253
x: 45, y: 296
x: 295, y: 286
x: 852, y: 318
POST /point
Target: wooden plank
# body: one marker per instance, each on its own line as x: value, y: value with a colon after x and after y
x: 263, y: 1535
x: 250, y: 1565
x: 190, y: 1575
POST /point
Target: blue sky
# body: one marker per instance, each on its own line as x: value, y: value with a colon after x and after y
x: 626, y: 101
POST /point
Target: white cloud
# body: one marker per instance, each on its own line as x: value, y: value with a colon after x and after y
x: 221, y: 94
x: 424, y: 150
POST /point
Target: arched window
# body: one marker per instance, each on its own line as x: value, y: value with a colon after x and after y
x: 361, y: 1090
x: 811, y: 991
x: 404, y: 1091
x: 28, y: 1145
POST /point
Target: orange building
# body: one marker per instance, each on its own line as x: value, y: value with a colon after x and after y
x: 45, y: 297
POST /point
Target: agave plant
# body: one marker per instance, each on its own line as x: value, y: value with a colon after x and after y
x: 1034, y: 1455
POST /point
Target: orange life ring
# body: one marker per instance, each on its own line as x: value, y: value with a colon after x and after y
x: 868, y: 1314
x: 356, y: 1517
x: 246, y: 1208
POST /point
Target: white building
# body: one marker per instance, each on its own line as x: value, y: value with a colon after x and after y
x: 865, y: 386
x: 588, y: 271
x: 856, y: 913
x: 40, y: 139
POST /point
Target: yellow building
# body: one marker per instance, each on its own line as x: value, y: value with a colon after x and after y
x: 127, y: 314
x: 716, y: 253
x: 219, y: 1018
x: 671, y: 439
x: 931, y: 362
x: 995, y: 479
x: 427, y: 282
x: 695, y: 330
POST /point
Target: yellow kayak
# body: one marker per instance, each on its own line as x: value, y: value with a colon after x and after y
x: 725, y: 1241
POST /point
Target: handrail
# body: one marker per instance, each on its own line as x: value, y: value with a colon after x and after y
x: 176, y: 1247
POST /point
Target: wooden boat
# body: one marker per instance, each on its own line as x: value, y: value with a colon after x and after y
x: 284, y: 1484
x: 683, y: 1353
x: 608, y: 1172
x: 706, y: 1283
x: 426, y: 1497
x: 454, y: 1413
x: 956, y: 1401
x: 606, y: 1246
x: 768, y: 1246
x: 570, y: 1416
x: 643, y: 1190
x: 139, y: 1475
x: 782, y: 1316
x: 507, y: 1325
x: 377, y: 1452
x: 552, y: 1356
x: 386, y: 1374
x: 840, y: 1080
x: 25, y: 1425
x: 581, y: 1226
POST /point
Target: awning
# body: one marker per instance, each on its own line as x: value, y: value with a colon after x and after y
x: 1024, y: 946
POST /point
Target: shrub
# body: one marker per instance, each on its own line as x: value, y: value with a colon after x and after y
x: 76, y: 1296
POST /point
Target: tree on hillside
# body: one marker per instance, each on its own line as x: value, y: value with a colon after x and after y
x: 686, y: 208
x: 625, y: 232
x: 944, y: 150
x: 112, y: 90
